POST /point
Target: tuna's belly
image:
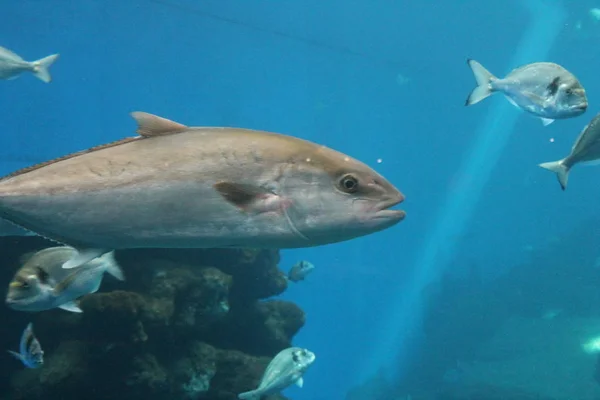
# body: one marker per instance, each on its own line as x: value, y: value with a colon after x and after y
x: 166, y: 216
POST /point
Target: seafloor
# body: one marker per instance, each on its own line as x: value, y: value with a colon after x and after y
x: 187, y: 324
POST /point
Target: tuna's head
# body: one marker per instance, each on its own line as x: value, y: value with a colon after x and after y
x: 570, y: 99
x: 27, y: 292
x: 302, y: 358
x: 336, y: 198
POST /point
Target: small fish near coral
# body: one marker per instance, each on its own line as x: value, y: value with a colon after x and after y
x: 43, y: 284
x: 12, y: 65
x: 284, y: 370
x: 176, y: 186
x: 546, y: 90
x: 30, y: 351
x: 300, y: 271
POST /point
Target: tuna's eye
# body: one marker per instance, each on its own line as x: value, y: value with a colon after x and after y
x: 349, y: 184
x: 24, y: 285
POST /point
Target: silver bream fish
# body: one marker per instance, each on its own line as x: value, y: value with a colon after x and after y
x: 42, y: 284
x: 585, y: 149
x: 284, y: 370
x: 544, y: 89
x: 30, y: 351
x: 12, y: 65
x: 181, y: 187
x: 300, y: 270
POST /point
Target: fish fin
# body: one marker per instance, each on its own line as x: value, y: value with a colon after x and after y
x: 239, y: 194
x: 590, y: 163
x: 16, y: 355
x: 484, y: 79
x: 546, y: 121
x: 552, y: 87
x: 83, y: 256
x: 561, y: 170
x: 112, y: 267
x: 299, y: 382
x: 71, y: 306
x: 150, y: 125
x: 40, y: 68
x: 251, y: 395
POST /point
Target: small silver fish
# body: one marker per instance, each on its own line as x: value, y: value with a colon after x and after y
x: 300, y: 270
x: 42, y: 284
x: 285, y: 369
x: 544, y: 89
x: 585, y: 149
x: 12, y: 65
x: 30, y: 351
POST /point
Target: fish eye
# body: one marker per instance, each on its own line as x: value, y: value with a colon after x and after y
x: 24, y: 284
x: 349, y: 184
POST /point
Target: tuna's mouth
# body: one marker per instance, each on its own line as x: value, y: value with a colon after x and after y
x: 383, y: 209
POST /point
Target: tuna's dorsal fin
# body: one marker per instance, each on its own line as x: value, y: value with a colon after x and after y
x: 150, y: 125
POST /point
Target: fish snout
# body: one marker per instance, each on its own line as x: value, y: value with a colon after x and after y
x: 384, y: 207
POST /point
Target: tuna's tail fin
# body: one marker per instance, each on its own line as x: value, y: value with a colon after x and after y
x: 561, y: 171
x: 40, y: 68
x: 111, y: 266
x: 251, y: 395
x: 484, y: 79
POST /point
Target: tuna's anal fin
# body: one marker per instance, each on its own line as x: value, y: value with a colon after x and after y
x: 71, y: 306
x: 299, y: 382
x: 150, y: 125
x: 484, y: 79
x: 83, y: 256
x: 546, y: 121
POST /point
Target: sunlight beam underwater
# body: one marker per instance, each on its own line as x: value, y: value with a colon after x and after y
x: 547, y: 19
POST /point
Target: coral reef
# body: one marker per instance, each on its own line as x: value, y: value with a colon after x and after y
x: 188, y: 324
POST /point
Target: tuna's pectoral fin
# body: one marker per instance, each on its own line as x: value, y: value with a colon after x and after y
x: 561, y: 171
x: 71, y: 306
x: 251, y: 198
x: 83, y: 256
x: 150, y: 125
x: 299, y: 382
x: 546, y: 121
x: 484, y: 79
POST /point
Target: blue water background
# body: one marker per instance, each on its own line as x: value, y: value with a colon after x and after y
x: 327, y: 72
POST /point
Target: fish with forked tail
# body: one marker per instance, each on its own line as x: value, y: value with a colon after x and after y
x: 12, y: 65
x: 43, y: 284
x: 544, y: 89
x: 284, y: 370
x: 30, y: 351
x: 585, y: 150
x: 184, y: 187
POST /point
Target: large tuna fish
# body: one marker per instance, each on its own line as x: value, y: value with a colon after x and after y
x: 182, y: 187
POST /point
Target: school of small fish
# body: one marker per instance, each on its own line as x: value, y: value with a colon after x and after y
x: 175, y: 186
